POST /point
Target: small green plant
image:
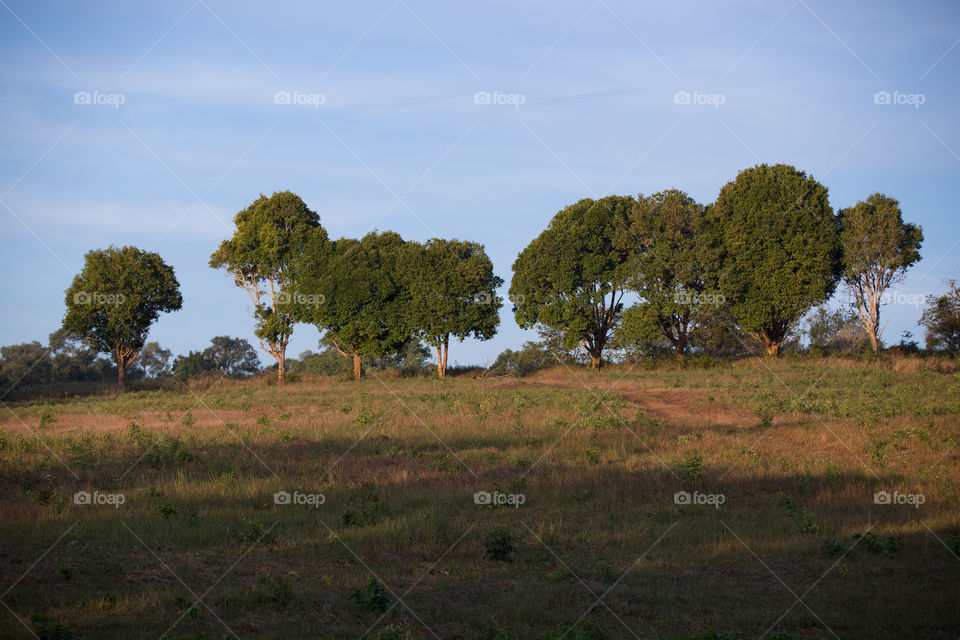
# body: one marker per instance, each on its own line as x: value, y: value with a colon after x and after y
x: 373, y: 598
x: 832, y: 548
x: 274, y: 588
x: 888, y: 545
x: 691, y: 467
x: 167, y: 510
x: 444, y: 462
x: 803, y: 521
x: 765, y: 415
x: 47, y: 417
x: 592, y: 454
x: 188, y: 420
x: 250, y: 531
x: 264, y: 421
x: 498, y: 544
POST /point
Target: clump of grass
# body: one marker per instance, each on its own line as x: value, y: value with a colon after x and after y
x: 277, y: 589
x: 592, y: 454
x: 887, y: 546
x: 803, y: 521
x: 373, y: 598
x: 691, y: 467
x: 498, y: 544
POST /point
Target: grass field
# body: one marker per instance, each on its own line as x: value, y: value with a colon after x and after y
x: 781, y: 536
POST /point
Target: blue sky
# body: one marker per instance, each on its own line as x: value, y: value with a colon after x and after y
x: 384, y: 127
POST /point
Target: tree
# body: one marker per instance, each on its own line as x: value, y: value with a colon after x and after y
x: 154, y: 361
x: 675, y: 268
x: 452, y: 292
x: 116, y: 297
x: 780, y: 249
x: 878, y: 248
x: 833, y: 331
x: 362, y: 300
x: 572, y: 276
x: 941, y: 319
x: 194, y: 363
x: 638, y: 335
x: 72, y: 360
x: 23, y: 365
x: 233, y: 357
x: 271, y: 234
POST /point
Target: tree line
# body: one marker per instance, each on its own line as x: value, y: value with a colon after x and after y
x: 749, y: 265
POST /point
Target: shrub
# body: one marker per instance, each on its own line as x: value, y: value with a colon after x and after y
x: 498, y: 544
x: 373, y: 598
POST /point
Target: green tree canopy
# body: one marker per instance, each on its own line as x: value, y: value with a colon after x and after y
x: 878, y: 248
x: 452, y: 293
x: 357, y: 294
x: 941, y: 320
x: 116, y: 297
x: 233, y: 357
x: 270, y: 236
x: 780, y: 249
x: 675, y: 268
x: 572, y: 276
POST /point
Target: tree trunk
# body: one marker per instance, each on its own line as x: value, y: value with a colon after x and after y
x: 874, y: 342
x: 282, y: 366
x: 121, y: 374
x: 773, y: 348
x: 596, y: 362
x: 440, y: 367
x: 446, y: 352
x: 357, y: 366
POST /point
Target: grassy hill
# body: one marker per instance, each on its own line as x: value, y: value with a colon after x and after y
x: 734, y: 501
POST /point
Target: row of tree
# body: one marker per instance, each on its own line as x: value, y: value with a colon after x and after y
x: 371, y: 297
x: 753, y: 262
x: 763, y: 254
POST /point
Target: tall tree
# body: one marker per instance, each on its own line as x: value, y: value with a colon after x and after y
x: 154, y: 360
x: 271, y: 234
x: 452, y: 293
x: 878, y: 248
x: 116, y: 297
x: 941, y: 319
x: 365, y: 306
x: 233, y: 357
x: 572, y: 276
x: 781, y: 249
x: 675, y: 268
